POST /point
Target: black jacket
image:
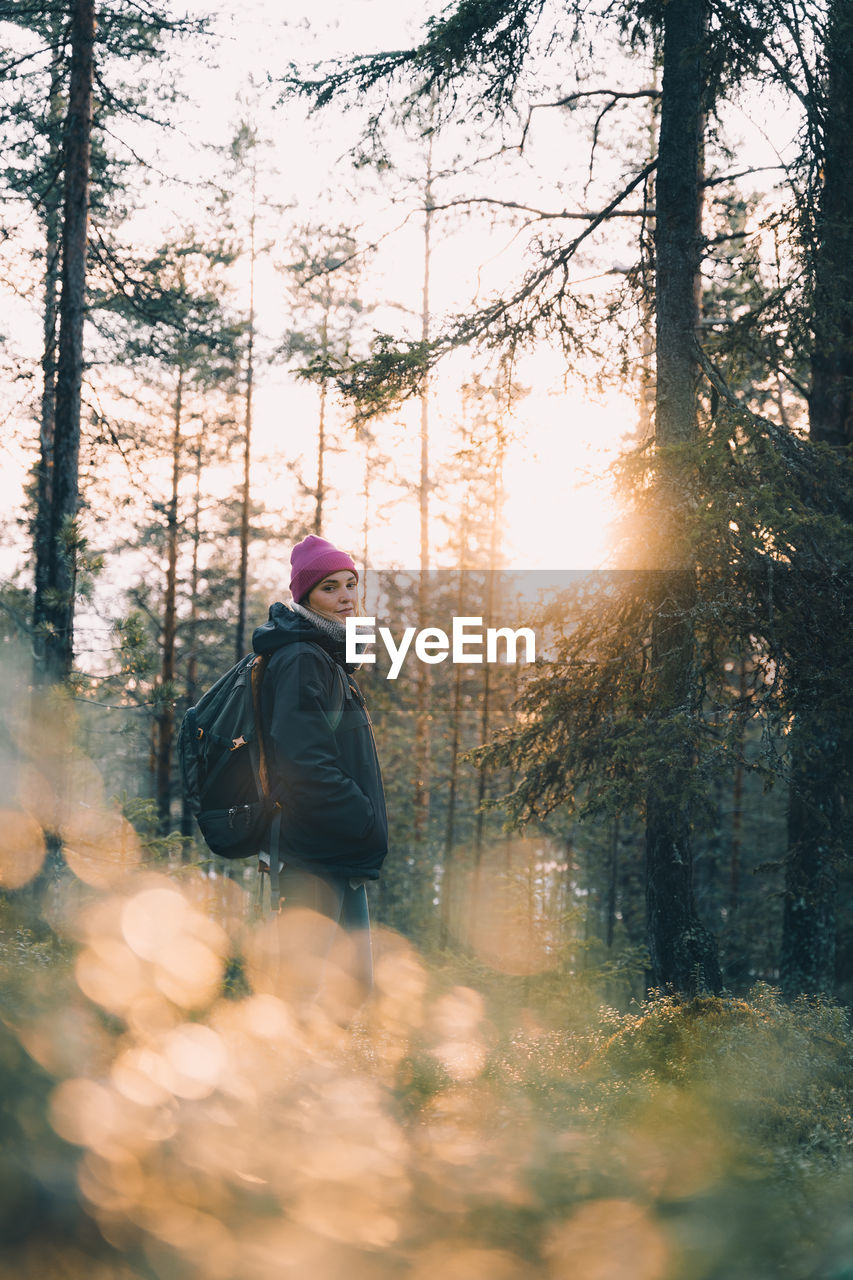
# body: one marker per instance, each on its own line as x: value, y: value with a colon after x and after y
x: 321, y: 751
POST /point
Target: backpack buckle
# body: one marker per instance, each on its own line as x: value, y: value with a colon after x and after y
x: 232, y: 814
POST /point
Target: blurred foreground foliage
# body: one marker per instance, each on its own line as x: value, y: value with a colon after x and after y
x: 159, y: 1122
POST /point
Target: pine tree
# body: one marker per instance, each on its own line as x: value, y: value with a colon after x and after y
x: 239, y: 209
x: 179, y: 336
x: 60, y: 166
x: 683, y: 954
x: 324, y: 272
x: 819, y: 824
x: 54, y: 620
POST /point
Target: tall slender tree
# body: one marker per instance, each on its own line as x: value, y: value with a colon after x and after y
x: 58, y: 163
x: 241, y: 206
x: 324, y: 272
x: 181, y: 340
x: 421, y: 754
x: 245, y: 496
x: 819, y: 823
x: 683, y: 954
x: 51, y: 221
x: 55, y: 608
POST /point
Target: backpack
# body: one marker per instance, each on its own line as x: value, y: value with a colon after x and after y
x: 222, y: 760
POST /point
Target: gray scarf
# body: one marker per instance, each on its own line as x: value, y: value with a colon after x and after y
x: 330, y: 626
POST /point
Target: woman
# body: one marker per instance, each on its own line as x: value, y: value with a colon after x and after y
x: 331, y: 834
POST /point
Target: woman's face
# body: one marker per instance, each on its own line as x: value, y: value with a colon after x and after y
x: 336, y: 596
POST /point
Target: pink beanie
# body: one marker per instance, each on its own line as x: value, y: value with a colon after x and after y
x: 310, y: 562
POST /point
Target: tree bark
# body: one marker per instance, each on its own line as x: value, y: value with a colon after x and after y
x: 447, y: 886
x: 491, y: 572
x: 683, y: 954
x: 243, y: 577
x: 612, y: 886
x: 821, y: 746
x: 58, y: 576
x: 320, y: 492
x: 831, y: 398
x: 424, y: 675
x: 166, y: 712
x: 52, y: 210
x: 187, y: 826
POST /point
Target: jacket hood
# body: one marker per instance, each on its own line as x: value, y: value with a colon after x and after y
x: 284, y: 627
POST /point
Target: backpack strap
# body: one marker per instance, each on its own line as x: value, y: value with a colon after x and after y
x: 259, y: 666
x: 258, y: 671
x: 344, y: 692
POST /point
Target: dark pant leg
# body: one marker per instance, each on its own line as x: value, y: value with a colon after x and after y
x: 302, y: 888
x: 321, y: 913
x: 307, y: 926
x: 355, y: 921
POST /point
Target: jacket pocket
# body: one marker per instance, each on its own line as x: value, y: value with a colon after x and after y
x: 371, y: 821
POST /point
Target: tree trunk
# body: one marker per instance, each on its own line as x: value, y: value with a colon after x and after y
x: 51, y: 205
x: 646, y: 398
x: 367, y: 441
x: 612, y: 886
x: 683, y: 954
x: 243, y: 583
x: 831, y: 399
x: 320, y: 492
x: 447, y: 887
x: 491, y: 572
x: 815, y: 814
x: 187, y: 827
x: 166, y: 712
x: 821, y: 746
x: 60, y: 532
x: 485, y: 729
x: 737, y: 804
x: 424, y: 672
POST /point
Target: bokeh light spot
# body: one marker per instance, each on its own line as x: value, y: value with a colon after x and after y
x: 198, y: 1057
x: 608, y: 1240
x: 100, y: 846
x: 152, y: 918
x: 110, y: 974
x: 22, y: 849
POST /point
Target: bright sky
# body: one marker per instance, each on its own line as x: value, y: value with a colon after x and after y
x: 558, y: 504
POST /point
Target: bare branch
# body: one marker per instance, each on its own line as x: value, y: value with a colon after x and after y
x: 542, y: 214
x: 395, y: 371
x: 795, y: 382
x: 26, y: 57
x: 616, y: 95
x: 719, y: 179
x: 475, y: 326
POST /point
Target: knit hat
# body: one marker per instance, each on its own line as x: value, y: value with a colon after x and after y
x: 311, y: 560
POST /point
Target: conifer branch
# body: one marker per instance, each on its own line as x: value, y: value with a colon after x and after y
x: 792, y: 445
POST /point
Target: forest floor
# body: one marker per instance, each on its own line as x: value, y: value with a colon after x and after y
x: 162, y: 1120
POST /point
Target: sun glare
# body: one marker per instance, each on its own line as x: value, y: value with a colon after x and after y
x: 560, y: 503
